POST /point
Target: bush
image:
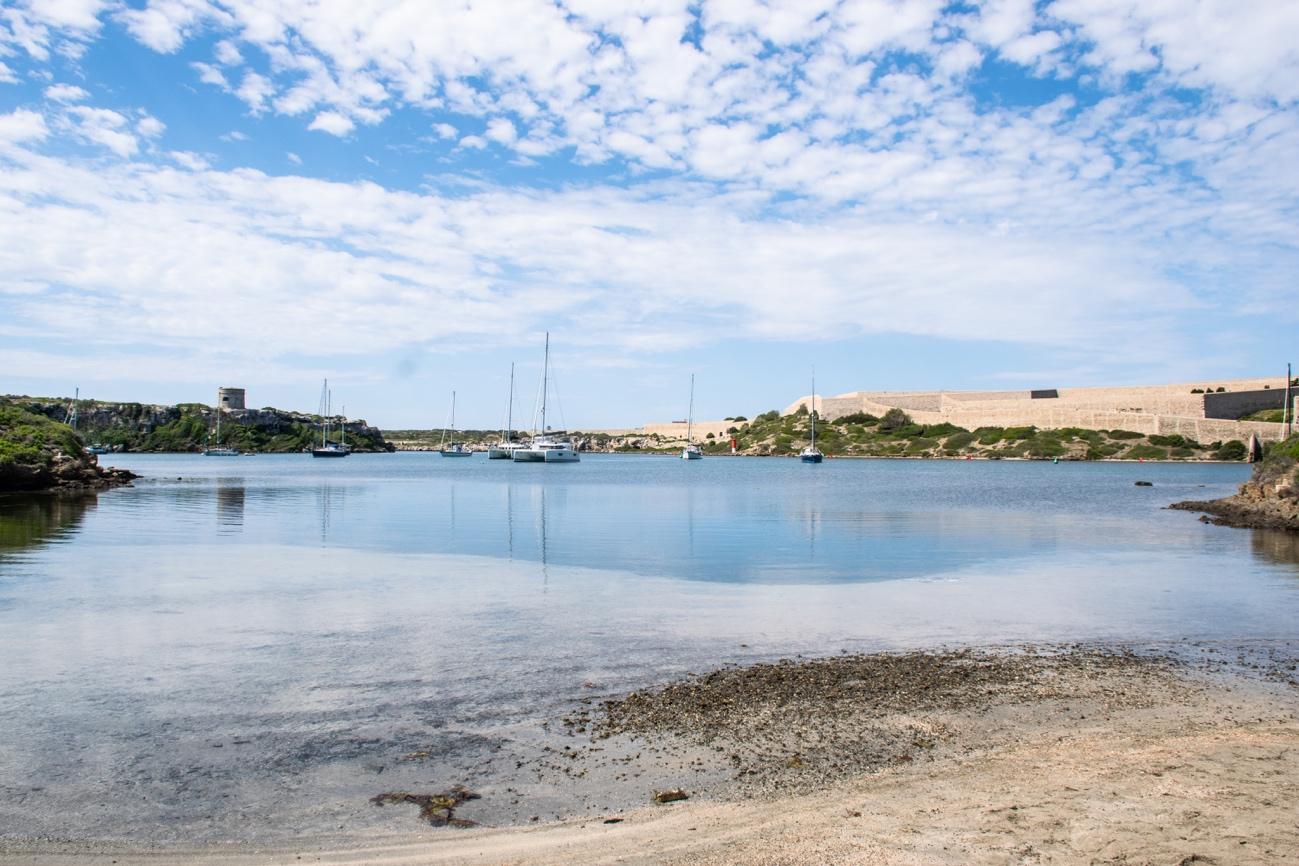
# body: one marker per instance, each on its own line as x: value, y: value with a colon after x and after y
x: 1145, y: 452
x: 1174, y: 441
x: 739, y: 418
x: 943, y: 429
x: 920, y: 444
x: 1018, y: 433
x: 894, y: 419
x: 1221, y: 389
x: 1123, y: 434
x: 857, y: 418
x: 801, y: 410
x: 710, y: 436
x: 773, y: 415
x: 958, y: 440
x: 1232, y: 450
x: 989, y: 435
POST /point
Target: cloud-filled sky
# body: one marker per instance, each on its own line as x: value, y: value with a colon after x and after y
x: 404, y: 195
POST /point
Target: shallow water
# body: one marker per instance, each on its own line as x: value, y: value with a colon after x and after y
x: 245, y: 648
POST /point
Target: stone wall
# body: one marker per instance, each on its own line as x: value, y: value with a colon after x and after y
x: 1236, y: 404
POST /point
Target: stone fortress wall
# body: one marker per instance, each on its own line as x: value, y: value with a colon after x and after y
x: 1161, y: 409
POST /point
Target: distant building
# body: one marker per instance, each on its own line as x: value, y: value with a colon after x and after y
x: 231, y: 398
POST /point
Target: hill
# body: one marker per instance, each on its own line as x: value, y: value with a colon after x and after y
x: 37, y: 453
x: 187, y: 426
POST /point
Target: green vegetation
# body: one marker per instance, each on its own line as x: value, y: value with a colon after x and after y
x: 1233, y: 450
x: 32, y: 440
x: 894, y: 420
x: 1271, y: 416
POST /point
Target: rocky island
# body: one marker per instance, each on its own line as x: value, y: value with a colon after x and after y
x: 40, y: 454
x: 1268, y: 500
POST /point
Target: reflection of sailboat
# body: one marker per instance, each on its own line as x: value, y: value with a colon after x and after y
x: 691, y: 451
x: 546, y: 447
x: 214, y: 448
x: 810, y: 454
x: 230, y: 501
x: 505, y: 449
x: 327, y: 448
x: 455, y: 449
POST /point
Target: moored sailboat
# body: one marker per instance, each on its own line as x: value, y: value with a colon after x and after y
x: 691, y: 451
x: 214, y: 447
x: 504, y: 450
x: 455, y: 449
x: 328, y: 448
x: 811, y: 454
x: 546, y: 446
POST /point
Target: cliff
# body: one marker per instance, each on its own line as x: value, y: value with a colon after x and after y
x: 1268, y: 500
x: 187, y: 426
x: 38, y: 454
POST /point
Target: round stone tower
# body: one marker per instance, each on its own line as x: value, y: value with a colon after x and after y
x: 231, y: 398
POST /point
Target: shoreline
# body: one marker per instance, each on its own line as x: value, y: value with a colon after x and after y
x: 971, y: 756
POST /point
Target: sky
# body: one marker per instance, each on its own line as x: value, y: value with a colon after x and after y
x: 405, y: 195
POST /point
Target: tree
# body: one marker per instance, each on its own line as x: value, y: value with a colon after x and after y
x: 894, y: 419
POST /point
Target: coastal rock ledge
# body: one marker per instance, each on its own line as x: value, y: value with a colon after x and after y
x: 1268, y: 500
x: 37, y: 454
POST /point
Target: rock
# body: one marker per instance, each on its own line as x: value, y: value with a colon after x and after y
x: 671, y: 795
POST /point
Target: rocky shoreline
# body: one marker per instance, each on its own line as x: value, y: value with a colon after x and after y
x: 39, y: 455
x: 1268, y: 500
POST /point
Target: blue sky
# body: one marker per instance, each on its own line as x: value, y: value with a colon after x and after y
x: 404, y: 196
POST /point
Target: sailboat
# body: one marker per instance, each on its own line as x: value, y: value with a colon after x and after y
x: 455, y: 449
x: 327, y: 448
x: 214, y: 448
x: 691, y: 451
x: 505, y: 449
x: 810, y: 454
x: 545, y: 446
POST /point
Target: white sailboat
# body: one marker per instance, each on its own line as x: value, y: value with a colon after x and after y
x: 810, y: 454
x: 691, y: 451
x: 504, y: 450
x: 546, y: 447
x: 214, y: 447
x: 327, y: 448
x: 455, y: 449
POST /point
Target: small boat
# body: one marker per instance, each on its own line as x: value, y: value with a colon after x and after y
x: 98, y: 449
x: 546, y: 447
x: 691, y: 451
x: 214, y: 447
x: 327, y: 448
x: 455, y: 449
x: 504, y: 450
x: 810, y: 454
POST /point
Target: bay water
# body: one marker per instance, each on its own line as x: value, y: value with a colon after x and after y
x: 248, y: 648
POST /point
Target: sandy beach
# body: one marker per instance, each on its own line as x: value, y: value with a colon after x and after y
x: 1062, y: 755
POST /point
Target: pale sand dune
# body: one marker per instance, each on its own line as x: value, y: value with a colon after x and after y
x: 1215, y: 780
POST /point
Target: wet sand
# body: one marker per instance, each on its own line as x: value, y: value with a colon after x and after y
x: 1054, y: 755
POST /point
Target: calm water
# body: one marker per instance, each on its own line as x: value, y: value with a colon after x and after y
x: 243, y: 648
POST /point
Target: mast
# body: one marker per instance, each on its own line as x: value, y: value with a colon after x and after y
x: 690, y: 417
x: 72, y: 421
x: 343, y: 428
x: 509, y: 412
x: 324, y: 413
x: 813, y: 407
x: 545, y: 382
x: 453, y: 417
x: 218, y: 414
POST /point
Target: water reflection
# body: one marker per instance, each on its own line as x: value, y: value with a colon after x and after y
x: 1275, y: 545
x: 30, y: 521
x: 230, y: 495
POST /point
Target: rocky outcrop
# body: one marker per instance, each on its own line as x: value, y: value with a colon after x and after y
x: 1268, y: 500
x: 38, y: 454
x: 187, y: 426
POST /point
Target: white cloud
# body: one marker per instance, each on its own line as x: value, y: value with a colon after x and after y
x: 333, y: 123
x: 255, y: 90
x: 501, y: 131
x: 21, y: 126
x: 293, y: 158
x: 234, y: 135
x: 65, y: 93
x: 445, y: 130
x: 227, y: 53
x: 150, y: 127
x: 102, y: 126
x: 474, y: 142
x: 7, y: 75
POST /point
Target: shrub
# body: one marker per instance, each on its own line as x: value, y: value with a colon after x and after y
x: 943, y: 429
x: 739, y: 418
x: 1174, y: 441
x: 710, y: 436
x: 801, y: 410
x: 1043, y: 446
x: 894, y: 419
x: 1018, y: 433
x: 1197, y: 390
x: 1123, y: 434
x: 857, y: 418
x: 989, y: 435
x: 773, y: 415
x: 732, y: 431
x: 1221, y: 389
x: 1232, y: 450
x: 920, y: 444
x: 958, y: 440
x: 1145, y: 452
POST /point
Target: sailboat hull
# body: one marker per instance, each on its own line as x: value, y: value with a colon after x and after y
x: 456, y: 453
x: 329, y: 452
x: 811, y: 458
